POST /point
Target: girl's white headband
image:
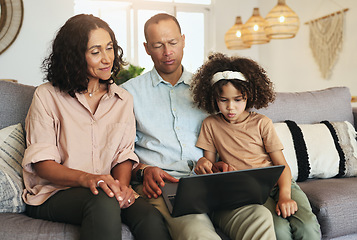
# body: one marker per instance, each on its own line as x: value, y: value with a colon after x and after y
x: 227, y: 75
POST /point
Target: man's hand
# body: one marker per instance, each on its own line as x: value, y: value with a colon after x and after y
x: 222, y: 167
x: 154, y: 178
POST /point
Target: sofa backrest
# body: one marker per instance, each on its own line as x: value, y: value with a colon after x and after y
x: 15, y: 100
x: 331, y: 104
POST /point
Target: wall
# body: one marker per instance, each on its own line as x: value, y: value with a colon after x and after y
x: 289, y: 63
x: 42, y: 18
x: 225, y: 18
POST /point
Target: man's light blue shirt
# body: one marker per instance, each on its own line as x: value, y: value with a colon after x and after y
x: 167, y: 122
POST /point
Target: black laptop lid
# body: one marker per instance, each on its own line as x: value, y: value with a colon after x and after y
x: 228, y: 190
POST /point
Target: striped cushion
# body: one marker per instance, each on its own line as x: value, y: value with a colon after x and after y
x: 323, y: 150
x: 12, y: 147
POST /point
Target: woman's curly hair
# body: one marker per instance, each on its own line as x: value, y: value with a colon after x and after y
x: 257, y: 90
x: 66, y: 66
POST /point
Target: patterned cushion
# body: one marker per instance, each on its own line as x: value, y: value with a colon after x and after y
x: 324, y: 150
x: 12, y: 147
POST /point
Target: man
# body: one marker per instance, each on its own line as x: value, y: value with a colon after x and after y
x: 167, y: 128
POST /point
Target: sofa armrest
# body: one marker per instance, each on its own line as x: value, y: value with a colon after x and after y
x: 354, y: 110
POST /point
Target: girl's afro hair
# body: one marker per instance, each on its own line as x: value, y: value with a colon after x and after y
x: 257, y: 90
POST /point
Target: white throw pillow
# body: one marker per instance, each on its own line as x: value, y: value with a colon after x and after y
x: 12, y: 147
x: 323, y: 150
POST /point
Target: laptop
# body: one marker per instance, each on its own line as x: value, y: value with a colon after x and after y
x: 217, y: 191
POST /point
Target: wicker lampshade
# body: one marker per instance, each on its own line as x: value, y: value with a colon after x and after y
x: 253, y: 30
x: 233, y: 37
x: 282, y: 22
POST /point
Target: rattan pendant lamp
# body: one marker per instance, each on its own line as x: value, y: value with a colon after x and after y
x: 254, y: 29
x: 233, y: 37
x: 282, y: 22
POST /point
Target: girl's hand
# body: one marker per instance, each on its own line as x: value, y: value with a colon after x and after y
x: 221, y: 166
x: 203, y: 166
x: 286, y: 207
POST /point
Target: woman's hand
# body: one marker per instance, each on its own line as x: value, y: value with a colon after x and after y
x: 203, y: 166
x: 68, y: 177
x: 109, y: 185
x: 64, y: 176
x: 127, y: 197
x: 286, y: 207
x: 113, y: 188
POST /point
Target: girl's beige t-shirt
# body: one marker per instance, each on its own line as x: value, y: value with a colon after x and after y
x: 243, y: 145
x: 63, y: 129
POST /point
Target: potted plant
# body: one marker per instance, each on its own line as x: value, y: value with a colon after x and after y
x: 127, y: 73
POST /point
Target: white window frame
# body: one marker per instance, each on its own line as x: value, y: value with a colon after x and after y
x: 132, y: 53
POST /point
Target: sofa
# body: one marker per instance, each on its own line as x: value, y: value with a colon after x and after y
x: 333, y: 200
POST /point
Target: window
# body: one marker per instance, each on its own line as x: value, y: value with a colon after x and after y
x: 127, y: 19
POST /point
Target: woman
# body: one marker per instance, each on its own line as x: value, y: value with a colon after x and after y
x: 80, y: 137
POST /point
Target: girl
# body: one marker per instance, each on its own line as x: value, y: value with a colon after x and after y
x: 230, y: 86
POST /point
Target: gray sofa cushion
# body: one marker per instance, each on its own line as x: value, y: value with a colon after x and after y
x: 15, y: 102
x: 334, y: 202
x: 17, y: 226
x: 332, y: 104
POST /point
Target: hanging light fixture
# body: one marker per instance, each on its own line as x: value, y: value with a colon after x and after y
x: 233, y: 37
x: 282, y: 22
x: 253, y: 30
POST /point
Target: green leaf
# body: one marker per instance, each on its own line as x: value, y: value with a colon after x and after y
x: 127, y: 73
